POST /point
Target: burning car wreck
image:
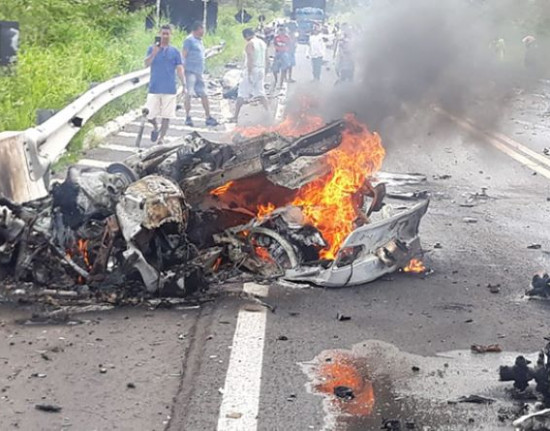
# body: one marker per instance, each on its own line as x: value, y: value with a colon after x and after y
x: 300, y: 202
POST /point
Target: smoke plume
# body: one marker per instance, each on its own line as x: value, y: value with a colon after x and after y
x: 411, y: 55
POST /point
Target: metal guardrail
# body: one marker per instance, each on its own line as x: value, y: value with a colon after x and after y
x: 44, y: 144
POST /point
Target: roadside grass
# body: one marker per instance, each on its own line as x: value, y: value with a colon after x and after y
x: 66, y: 47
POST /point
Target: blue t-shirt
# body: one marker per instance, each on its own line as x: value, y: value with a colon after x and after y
x: 194, y: 62
x: 163, y: 70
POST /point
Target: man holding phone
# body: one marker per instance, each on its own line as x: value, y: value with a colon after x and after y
x: 165, y: 61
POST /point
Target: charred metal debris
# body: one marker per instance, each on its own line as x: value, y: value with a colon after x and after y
x: 158, y: 224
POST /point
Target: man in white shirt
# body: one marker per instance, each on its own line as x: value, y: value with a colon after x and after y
x: 316, y: 52
x: 253, y: 78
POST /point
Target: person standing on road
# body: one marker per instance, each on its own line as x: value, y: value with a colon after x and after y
x: 345, y: 62
x: 193, y: 63
x: 316, y: 52
x: 253, y: 80
x: 292, y: 54
x: 164, y: 61
x: 281, y: 62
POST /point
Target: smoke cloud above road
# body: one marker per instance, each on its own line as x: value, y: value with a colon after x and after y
x: 415, y: 54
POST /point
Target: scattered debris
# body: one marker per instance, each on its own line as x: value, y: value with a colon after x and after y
x: 344, y: 393
x: 39, y: 375
x: 128, y: 234
x: 537, y: 421
x: 131, y: 385
x: 49, y: 408
x: 494, y: 288
x: 519, y: 373
x: 415, y: 369
x: 540, y: 286
x: 491, y: 348
x: 469, y: 220
x: 534, y: 247
x: 546, y: 151
x: 342, y: 317
x: 472, y: 399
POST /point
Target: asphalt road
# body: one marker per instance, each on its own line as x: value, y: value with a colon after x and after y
x: 233, y: 365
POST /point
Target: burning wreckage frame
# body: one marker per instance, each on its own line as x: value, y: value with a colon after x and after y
x: 131, y: 225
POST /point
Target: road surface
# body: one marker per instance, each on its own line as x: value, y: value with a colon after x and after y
x: 234, y: 365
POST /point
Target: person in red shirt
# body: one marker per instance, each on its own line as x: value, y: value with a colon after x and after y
x: 281, y: 63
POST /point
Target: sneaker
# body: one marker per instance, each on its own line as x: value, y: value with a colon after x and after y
x: 189, y: 122
x: 211, y: 122
x: 154, y: 135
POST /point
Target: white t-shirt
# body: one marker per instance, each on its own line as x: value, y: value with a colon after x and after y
x: 316, y: 46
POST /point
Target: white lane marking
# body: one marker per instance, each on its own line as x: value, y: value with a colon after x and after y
x: 226, y: 128
x: 134, y: 136
x: 241, y: 396
x: 504, y: 144
x: 120, y: 148
x: 93, y: 163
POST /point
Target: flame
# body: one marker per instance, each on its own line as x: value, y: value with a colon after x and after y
x: 217, y: 264
x: 415, y: 266
x: 83, y: 249
x: 264, y: 210
x: 328, y: 202
x: 220, y: 191
x: 263, y: 253
x: 294, y: 125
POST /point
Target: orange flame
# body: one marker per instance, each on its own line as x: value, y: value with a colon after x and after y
x: 294, y: 125
x: 328, y: 202
x: 83, y: 249
x: 415, y: 266
x: 263, y: 253
x: 220, y: 191
x: 264, y: 210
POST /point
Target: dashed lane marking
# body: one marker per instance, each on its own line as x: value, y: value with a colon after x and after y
x: 226, y: 128
x: 120, y: 148
x: 93, y: 163
x: 241, y: 395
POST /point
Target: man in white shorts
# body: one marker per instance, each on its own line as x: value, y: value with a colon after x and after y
x: 164, y: 61
x: 253, y: 80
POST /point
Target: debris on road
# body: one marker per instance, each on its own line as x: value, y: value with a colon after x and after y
x: 48, y: 408
x: 494, y: 288
x: 539, y: 420
x: 265, y: 204
x: 540, y: 286
x: 472, y: 399
x: 534, y: 247
x: 342, y: 317
x: 492, y: 348
x: 344, y: 393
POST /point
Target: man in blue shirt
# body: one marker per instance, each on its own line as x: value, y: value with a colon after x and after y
x: 193, y: 63
x: 164, y: 61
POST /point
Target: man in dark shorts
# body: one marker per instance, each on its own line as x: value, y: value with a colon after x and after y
x: 193, y: 63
